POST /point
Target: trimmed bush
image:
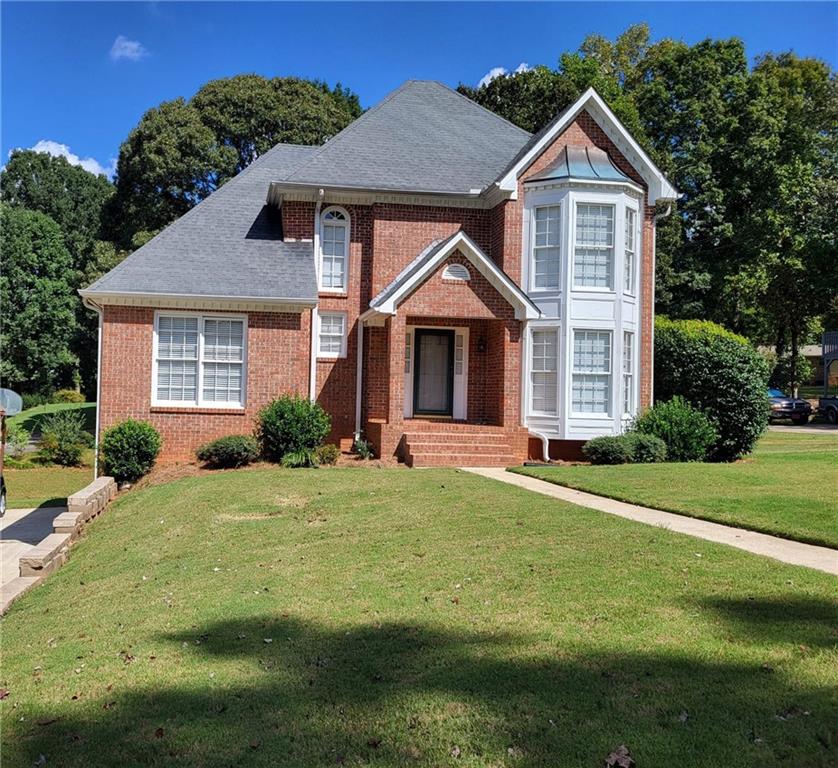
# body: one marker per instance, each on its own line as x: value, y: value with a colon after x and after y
x: 68, y: 396
x: 646, y: 449
x: 34, y: 399
x: 17, y: 438
x: 129, y: 450
x: 291, y: 424
x: 327, y: 454
x: 63, y: 438
x: 719, y: 373
x: 230, y: 451
x: 689, y: 435
x: 609, y: 449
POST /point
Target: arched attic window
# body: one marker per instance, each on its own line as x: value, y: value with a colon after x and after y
x: 456, y: 272
x: 334, y: 249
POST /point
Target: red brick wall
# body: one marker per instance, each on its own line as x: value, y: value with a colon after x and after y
x: 277, y: 362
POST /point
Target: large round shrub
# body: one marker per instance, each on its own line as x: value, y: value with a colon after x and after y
x: 291, y: 424
x: 129, y: 450
x: 688, y: 434
x: 719, y: 373
x: 230, y: 451
x: 646, y: 449
x: 68, y: 396
x: 608, y: 449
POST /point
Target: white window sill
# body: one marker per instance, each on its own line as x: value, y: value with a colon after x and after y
x: 596, y: 416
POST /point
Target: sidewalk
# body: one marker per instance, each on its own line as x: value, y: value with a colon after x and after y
x: 792, y: 552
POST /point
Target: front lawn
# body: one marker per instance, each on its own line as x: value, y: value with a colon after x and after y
x: 44, y: 486
x: 32, y: 418
x: 384, y: 617
x: 786, y: 488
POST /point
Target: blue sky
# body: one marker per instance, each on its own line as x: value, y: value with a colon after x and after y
x: 82, y: 74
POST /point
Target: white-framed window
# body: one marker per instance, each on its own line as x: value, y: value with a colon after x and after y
x: 334, y: 249
x: 628, y: 373
x: 591, y: 377
x: 630, y: 254
x: 593, y: 250
x: 199, y: 360
x: 331, y: 334
x: 544, y: 371
x: 546, y: 249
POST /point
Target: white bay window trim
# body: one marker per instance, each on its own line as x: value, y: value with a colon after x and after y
x: 334, y: 237
x: 547, y: 228
x: 199, y: 360
x: 591, y: 373
x: 630, y: 250
x: 331, y: 334
x: 594, y: 246
x: 543, y: 383
x: 628, y: 374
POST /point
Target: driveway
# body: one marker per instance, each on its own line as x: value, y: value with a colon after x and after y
x: 20, y: 531
x: 810, y: 429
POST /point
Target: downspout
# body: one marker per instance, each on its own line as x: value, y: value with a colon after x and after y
x: 658, y: 217
x: 359, y: 373
x: 312, y: 364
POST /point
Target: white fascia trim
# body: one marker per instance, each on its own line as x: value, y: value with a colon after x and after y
x: 196, y: 301
x: 524, y: 309
x: 659, y: 186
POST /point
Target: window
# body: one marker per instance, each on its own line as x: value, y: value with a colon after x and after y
x: 332, y: 334
x: 456, y: 272
x: 199, y: 360
x: 546, y: 252
x: 628, y: 373
x: 631, y: 237
x: 593, y: 254
x: 544, y: 372
x: 591, y: 384
x: 334, y: 249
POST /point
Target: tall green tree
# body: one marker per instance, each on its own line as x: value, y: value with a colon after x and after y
x: 38, y: 303
x: 71, y: 196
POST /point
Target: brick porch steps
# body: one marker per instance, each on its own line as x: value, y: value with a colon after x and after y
x: 452, y: 444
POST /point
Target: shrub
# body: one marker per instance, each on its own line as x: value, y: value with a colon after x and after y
x: 63, y: 438
x: 646, y: 449
x: 689, y: 435
x: 609, y: 449
x: 327, y: 454
x: 129, y: 449
x: 290, y: 424
x: 363, y: 448
x: 302, y: 458
x: 17, y: 438
x: 719, y: 373
x: 230, y: 451
x: 34, y: 399
x: 67, y: 396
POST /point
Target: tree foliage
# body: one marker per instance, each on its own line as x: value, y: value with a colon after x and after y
x: 39, y: 304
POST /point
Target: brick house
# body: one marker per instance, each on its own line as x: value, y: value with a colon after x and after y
x: 445, y: 284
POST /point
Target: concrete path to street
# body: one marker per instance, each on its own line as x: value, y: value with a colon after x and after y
x: 809, y: 429
x: 792, y: 552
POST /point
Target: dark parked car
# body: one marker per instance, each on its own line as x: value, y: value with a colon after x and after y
x: 828, y: 407
x: 785, y: 407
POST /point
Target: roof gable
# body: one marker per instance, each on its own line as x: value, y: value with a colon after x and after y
x: 431, y: 258
x: 659, y: 186
x: 423, y: 137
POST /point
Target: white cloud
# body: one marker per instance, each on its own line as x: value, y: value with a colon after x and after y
x: 495, y: 72
x: 123, y: 48
x: 62, y: 150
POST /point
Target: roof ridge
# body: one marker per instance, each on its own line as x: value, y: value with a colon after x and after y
x: 480, y: 106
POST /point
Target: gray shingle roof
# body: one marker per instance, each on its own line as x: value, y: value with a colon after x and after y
x: 424, y: 137
x: 228, y: 245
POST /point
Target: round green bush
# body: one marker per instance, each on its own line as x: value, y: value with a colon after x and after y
x: 689, y: 435
x: 68, y: 396
x: 327, y: 454
x: 609, y: 449
x: 291, y: 424
x: 129, y: 450
x: 63, y: 438
x: 645, y: 449
x: 719, y: 373
x: 230, y: 451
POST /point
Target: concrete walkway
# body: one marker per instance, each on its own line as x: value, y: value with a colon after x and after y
x: 810, y: 429
x: 21, y: 530
x: 793, y: 552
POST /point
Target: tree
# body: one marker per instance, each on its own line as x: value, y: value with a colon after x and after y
x: 71, y: 196
x: 38, y: 303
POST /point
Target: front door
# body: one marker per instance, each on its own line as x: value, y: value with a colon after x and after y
x: 433, y: 375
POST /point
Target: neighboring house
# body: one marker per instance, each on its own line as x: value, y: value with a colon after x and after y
x: 445, y: 284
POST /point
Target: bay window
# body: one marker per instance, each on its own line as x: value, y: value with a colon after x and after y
x: 630, y: 250
x: 593, y: 252
x: 628, y: 373
x: 546, y: 249
x: 544, y: 371
x: 591, y: 376
x: 199, y: 360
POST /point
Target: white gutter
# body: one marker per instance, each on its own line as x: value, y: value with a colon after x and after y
x: 359, y: 375
x: 312, y: 364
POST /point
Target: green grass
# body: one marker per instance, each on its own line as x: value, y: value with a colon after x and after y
x: 32, y: 418
x: 786, y: 488
x: 44, y: 486
x: 411, y: 615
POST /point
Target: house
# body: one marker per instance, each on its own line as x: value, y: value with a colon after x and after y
x: 445, y: 284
